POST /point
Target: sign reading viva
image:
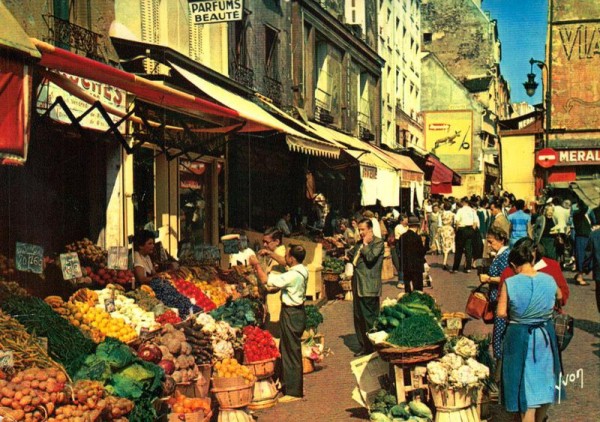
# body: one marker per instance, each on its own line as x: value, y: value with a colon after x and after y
x: 215, y: 11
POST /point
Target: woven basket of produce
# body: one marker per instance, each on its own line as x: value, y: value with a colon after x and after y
x: 330, y: 276
x: 308, y: 365
x: 409, y: 355
x: 452, y: 399
x: 234, y: 397
x: 262, y: 369
x: 346, y: 285
x: 228, y: 382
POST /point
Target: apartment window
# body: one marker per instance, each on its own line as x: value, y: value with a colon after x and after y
x: 241, y: 49
x: 271, y: 52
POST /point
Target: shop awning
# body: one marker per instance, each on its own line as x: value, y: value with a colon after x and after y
x: 442, y: 176
x: 153, y: 92
x: 409, y: 171
x: 253, y: 112
x: 588, y: 191
x: 13, y: 36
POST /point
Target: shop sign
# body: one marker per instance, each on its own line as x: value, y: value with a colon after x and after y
x: 215, y: 11
x: 579, y: 156
x: 106, y: 94
x: 118, y: 258
x: 369, y: 172
x: 29, y: 258
x: 70, y: 265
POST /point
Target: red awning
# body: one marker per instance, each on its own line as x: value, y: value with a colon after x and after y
x: 442, y: 176
x: 154, y: 92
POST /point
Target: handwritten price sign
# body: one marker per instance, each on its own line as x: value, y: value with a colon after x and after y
x: 71, y: 267
x: 29, y: 258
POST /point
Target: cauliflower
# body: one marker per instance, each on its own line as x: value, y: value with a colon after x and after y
x: 452, y: 361
x: 481, y: 371
x: 464, y: 377
x: 466, y: 348
x: 437, y: 373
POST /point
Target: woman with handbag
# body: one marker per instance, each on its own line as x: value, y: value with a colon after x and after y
x: 497, y: 241
x: 530, y: 345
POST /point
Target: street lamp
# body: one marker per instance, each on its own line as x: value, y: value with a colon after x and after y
x: 530, y: 87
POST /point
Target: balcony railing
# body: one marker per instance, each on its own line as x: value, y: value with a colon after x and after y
x: 65, y: 34
x: 243, y: 75
x: 273, y: 89
x: 365, y: 134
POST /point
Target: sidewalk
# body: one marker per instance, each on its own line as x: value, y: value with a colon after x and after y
x: 328, y: 390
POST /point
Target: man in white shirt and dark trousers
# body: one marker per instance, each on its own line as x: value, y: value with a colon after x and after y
x: 292, y: 319
x: 466, y: 222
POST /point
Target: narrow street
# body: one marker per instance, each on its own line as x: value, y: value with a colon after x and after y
x: 328, y: 390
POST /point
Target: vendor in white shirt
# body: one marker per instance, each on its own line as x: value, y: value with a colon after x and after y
x: 143, y: 246
x: 243, y: 256
x: 293, y: 317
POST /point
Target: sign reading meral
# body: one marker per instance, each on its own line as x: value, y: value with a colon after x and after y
x: 215, y: 11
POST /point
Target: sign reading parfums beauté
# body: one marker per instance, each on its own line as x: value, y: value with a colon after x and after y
x: 216, y: 11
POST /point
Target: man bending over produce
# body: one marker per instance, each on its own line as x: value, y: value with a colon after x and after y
x: 293, y: 317
x: 367, y: 258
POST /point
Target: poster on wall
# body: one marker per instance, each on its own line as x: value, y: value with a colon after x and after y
x: 575, y: 56
x: 449, y: 135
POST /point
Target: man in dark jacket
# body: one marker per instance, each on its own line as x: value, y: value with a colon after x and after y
x: 367, y: 258
x: 592, y: 254
x: 412, y: 253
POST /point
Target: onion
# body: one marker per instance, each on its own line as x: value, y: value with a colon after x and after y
x: 167, y: 365
x: 150, y: 353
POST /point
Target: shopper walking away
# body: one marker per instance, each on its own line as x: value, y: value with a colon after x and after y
x: 292, y: 320
x: 367, y: 258
x: 399, y: 230
x: 466, y: 223
x: 412, y: 256
x: 544, y: 232
x: 527, y: 300
x: 593, y: 253
x: 434, y: 224
x: 446, y: 232
x: 520, y: 223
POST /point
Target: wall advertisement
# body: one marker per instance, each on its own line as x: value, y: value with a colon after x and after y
x: 449, y: 135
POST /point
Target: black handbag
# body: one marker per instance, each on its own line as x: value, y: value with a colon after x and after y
x: 564, y: 326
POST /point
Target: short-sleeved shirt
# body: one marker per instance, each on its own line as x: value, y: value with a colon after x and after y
x: 273, y: 265
x: 292, y: 284
x: 519, y: 222
x: 243, y: 257
x: 143, y: 261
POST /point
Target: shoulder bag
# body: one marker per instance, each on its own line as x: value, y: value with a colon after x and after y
x: 564, y: 326
x: 479, y: 305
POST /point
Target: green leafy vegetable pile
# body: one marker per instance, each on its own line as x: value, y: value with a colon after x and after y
x: 238, y: 313
x: 125, y: 375
x: 420, y: 298
x: 66, y: 344
x: 333, y: 264
x: 314, y: 318
x: 418, y: 330
x: 385, y: 408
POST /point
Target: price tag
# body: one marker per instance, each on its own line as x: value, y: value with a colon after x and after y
x: 109, y: 305
x: 70, y: 265
x: 454, y: 323
x: 118, y: 258
x: 7, y: 361
x: 29, y: 258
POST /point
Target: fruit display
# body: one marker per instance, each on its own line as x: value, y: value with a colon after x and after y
x: 173, y: 347
x: 201, y: 342
x: 31, y: 389
x: 86, y: 316
x: 333, y: 265
x: 196, y: 296
x: 258, y: 345
x: 168, y: 317
x: 181, y: 404
x: 214, y: 290
x: 168, y: 294
x: 146, y: 299
x: 231, y: 368
x: 104, y: 276
x: 72, y: 312
x: 89, y: 253
x: 84, y: 295
x: 9, y: 288
x: 7, y: 267
x: 127, y: 310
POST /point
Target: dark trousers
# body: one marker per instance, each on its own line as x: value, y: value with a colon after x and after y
x: 464, y: 244
x: 293, y: 323
x: 366, y: 311
x: 477, y: 245
x: 396, y: 262
x: 413, y: 280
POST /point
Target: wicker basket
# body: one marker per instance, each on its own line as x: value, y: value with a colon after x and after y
x: 330, y: 276
x: 262, y: 369
x: 449, y: 399
x: 199, y: 416
x: 346, y: 285
x: 409, y: 355
x: 234, y: 397
x: 308, y: 365
x: 228, y: 382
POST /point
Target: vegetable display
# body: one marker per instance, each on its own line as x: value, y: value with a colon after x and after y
x: 418, y: 330
x: 314, y: 317
x: 189, y: 289
x: 168, y: 294
x: 259, y: 345
x: 412, y: 304
x: 385, y: 408
x: 168, y: 317
x: 146, y: 301
x: 66, y: 344
x: 420, y: 298
x: 238, y: 313
x: 200, y: 340
x: 334, y: 265
x: 231, y: 368
x: 174, y: 347
x: 127, y: 310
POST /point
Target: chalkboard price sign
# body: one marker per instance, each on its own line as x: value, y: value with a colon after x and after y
x: 70, y: 265
x: 29, y: 258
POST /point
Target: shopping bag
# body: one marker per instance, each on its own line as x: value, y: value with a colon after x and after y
x: 564, y: 326
x: 478, y: 303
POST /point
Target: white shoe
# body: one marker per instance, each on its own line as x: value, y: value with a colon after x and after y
x: 289, y: 399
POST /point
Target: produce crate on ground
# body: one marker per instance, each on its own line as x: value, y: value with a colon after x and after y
x: 234, y: 397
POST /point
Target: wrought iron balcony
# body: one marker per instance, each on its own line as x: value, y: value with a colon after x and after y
x: 65, y: 34
x: 365, y: 134
x: 242, y: 74
x: 273, y: 89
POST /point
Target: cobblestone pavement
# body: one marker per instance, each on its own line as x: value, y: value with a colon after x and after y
x: 328, y: 390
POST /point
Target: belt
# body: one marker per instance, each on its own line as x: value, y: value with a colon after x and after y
x: 283, y: 305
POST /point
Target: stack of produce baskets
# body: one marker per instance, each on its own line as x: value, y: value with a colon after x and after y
x: 409, y: 355
x: 232, y: 393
